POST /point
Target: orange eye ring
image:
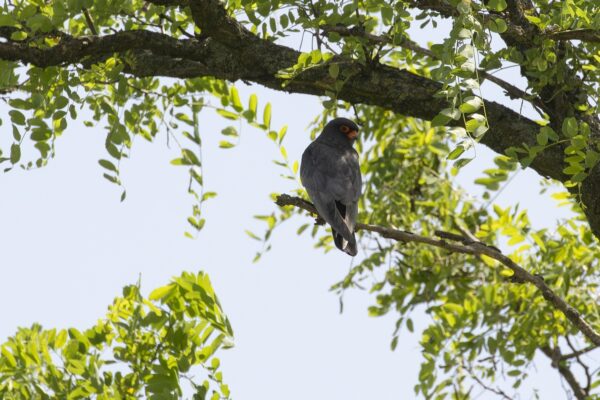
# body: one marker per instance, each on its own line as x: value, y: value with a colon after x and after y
x: 344, y: 129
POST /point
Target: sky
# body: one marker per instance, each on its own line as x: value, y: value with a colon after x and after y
x: 68, y: 246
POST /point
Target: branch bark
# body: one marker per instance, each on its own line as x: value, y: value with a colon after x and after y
x: 227, y: 50
x: 464, y: 245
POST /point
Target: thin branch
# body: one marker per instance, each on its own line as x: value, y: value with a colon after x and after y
x: 512, y: 91
x: 555, y: 356
x: 179, y: 28
x: 170, y: 3
x: 358, y: 31
x: 586, y: 368
x: 496, y: 390
x: 584, y: 35
x: 475, y: 248
x: 580, y: 352
x: 89, y: 21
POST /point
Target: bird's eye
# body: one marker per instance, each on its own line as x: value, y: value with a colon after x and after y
x: 344, y: 129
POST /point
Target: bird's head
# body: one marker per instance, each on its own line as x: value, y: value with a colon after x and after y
x: 342, y: 127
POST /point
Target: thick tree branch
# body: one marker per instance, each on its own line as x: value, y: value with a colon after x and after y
x: 72, y: 50
x: 555, y: 356
x: 558, y: 101
x: 475, y: 248
x: 226, y: 50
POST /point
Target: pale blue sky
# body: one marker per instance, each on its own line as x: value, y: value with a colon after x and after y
x: 69, y: 246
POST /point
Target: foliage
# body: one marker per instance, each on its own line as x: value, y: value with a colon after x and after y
x: 144, y: 348
x: 413, y: 142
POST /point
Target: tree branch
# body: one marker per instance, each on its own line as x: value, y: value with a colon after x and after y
x: 227, y: 50
x: 581, y: 352
x: 89, y: 21
x: 584, y: 35
x: 356, y: 31
x: 497, y: 391
x: 555, y: 356
x: 170, y: 3
x: 584, y: 366
x: 475, y: 248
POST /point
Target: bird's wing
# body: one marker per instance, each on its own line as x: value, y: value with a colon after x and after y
x: 332, y: 170
x: 331, y: 177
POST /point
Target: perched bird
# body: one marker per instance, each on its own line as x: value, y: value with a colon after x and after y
x: 330, y: 172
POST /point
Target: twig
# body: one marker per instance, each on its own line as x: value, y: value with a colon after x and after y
x: 179, y: 28
x: 555, y: 356
x: 584, y: 35
x: 512, y: 91
x: 89, y: 21
x: 470, y: 247
x: 497, y: 390
x: 586, y: 368
x: 580, y: 352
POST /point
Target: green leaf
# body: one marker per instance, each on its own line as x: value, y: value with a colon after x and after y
x: 39, y: 22
x: 387, y: 14
x: 112, y: 179
x: 235, y: 99
x: 549, y: 132
x: 267, y: 116
x: 334, y: 70
x: 185, y: 118
x: 208, y: 195
x: 496, y: 5
x: 198, y: 224
x: 225, y: 144
x: 15, y: 153
x: 569, y: 127
x: 252, y: 103
x: 497, y: 25
x: 190, y: 156
x: 161, y: 292
x: 7, y: 355
x: 462, y: 162
x: 179, y: 161
x: 284, y: 21
x: 18, y: 36
x: 7, y: 20
x: 61, y: 102
x: 108, y: 165
x: 457, y: 152
x: 230, y: 131
x: 228, y: 114
x: 440, y: 120
x: 17, y: 117
x: 452, y: 113
x: 471, y: 104
x: 282, y: 133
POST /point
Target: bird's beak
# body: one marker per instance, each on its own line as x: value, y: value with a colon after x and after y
x: 352, y: 134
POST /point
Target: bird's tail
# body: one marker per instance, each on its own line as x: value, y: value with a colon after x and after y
x: 347, y: 246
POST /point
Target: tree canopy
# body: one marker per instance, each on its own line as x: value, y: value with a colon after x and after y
x: 484, y: 274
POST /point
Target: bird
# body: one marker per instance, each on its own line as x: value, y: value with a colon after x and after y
x: 330, y: 172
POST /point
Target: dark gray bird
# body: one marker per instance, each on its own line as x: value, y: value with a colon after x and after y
x: 330, y: 172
